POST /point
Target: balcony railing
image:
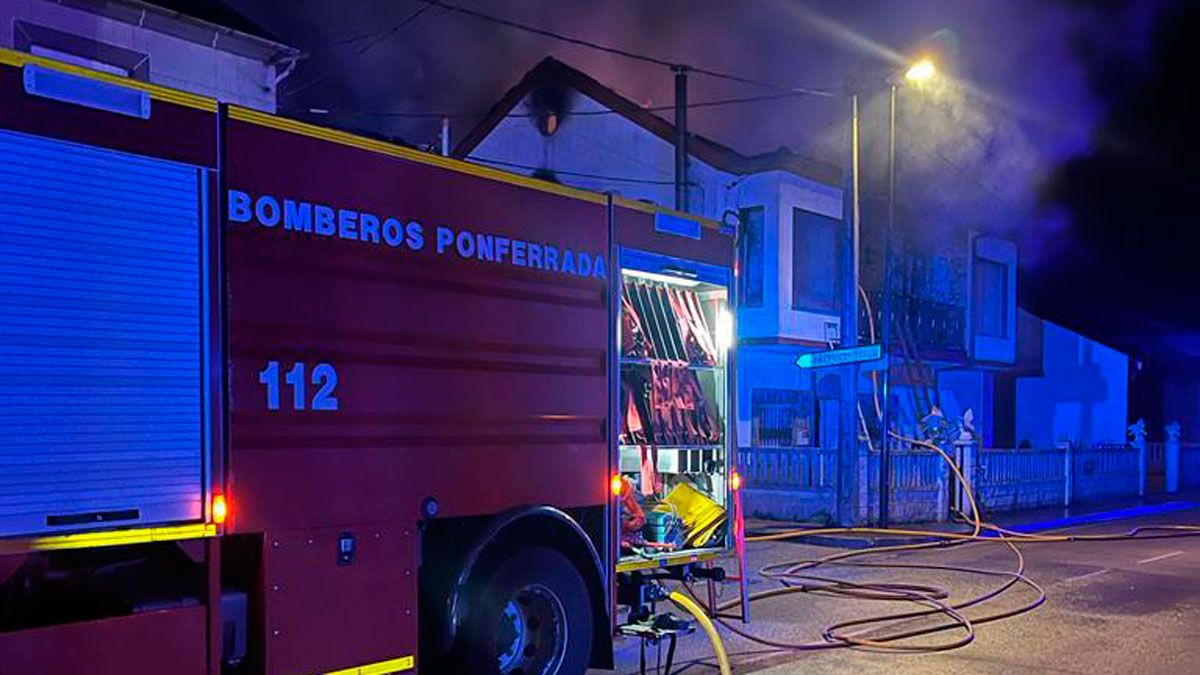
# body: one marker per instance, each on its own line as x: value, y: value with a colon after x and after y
x: 932, y: 324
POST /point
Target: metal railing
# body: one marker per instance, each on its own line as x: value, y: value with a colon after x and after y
x: 913, y: 469
x: 1156, y: 457
x: 788, y: 468
x: 1007, y: 466
x: 934, y: 324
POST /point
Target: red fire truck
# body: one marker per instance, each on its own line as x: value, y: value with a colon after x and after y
x: 276, y: 398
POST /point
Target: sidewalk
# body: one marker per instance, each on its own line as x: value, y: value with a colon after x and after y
x: 1031, y: 520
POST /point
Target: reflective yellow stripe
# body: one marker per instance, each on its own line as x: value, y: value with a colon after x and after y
x: 108, y: 538
x: 18, y: 59
x: 381, y: 147
x: 393, y: 666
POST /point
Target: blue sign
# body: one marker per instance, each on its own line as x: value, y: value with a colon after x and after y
x: 840, y: 357
x: 680, y: 227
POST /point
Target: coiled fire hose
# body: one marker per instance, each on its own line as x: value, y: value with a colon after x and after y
x: 797, y: 576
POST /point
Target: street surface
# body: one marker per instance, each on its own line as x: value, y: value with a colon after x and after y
x: 1112, y: 607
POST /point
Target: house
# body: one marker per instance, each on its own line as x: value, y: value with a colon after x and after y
x: 195, y: 46
x: 956, y: 321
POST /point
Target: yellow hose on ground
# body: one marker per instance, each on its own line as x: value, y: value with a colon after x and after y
x: 695, y: 610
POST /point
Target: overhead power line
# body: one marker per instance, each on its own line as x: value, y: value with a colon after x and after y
x: 577, y: 174
x: 380, y: 38
x: 576, y: 113
x: 617, y: 51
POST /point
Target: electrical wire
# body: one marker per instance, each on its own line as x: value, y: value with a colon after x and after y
x: 577, y: 113
x: 514, y: 165
x: 379, y: 39
x: 617, y: 51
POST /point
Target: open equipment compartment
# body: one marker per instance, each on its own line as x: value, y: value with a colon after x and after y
x: 674, y: 334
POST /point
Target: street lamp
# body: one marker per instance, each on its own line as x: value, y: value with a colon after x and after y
x: 920, y: 72
x: 917, y: 74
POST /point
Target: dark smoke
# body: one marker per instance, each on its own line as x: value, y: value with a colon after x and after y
x: 1038, y: 77
x: 1130, y: 199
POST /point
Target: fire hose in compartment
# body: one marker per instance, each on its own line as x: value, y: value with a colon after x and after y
x: 671, y: 406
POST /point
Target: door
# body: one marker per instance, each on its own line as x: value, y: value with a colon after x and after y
x: 102, y: 336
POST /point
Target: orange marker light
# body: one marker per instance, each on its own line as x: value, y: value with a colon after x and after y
x: 220, y: 510
x: 616, y: 485
x: 735, y: 480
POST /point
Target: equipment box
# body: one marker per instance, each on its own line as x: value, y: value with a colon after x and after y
x: 104, y: 345
x: 673, y: 344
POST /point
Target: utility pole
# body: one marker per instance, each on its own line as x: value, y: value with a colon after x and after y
x: 681, y: 135
x: 850, y: 492
x: 885, y: 454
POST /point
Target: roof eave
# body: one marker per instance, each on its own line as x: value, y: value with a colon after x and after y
x: 186, y: 27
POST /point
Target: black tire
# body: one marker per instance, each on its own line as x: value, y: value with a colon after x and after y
x: 537, y: 588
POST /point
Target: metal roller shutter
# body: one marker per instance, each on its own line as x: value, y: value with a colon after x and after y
x: 101, y: 338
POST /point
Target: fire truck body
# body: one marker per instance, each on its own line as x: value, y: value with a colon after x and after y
x: 404, y: 392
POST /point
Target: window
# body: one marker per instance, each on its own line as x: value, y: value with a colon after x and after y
x: 990, y: 298
x: 782, y: 418
x: 816, y: 261
x: 751, y: 257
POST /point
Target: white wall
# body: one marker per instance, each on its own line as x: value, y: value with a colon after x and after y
x: 174, y: 62
x: 765, y: 368
x: 1082, y: 397
x: 607, y: 145
x: 611, y: 146
x: 966, y: 389
x: 798, y: 193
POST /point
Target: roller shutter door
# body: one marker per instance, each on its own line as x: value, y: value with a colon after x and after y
x: 101, y: 338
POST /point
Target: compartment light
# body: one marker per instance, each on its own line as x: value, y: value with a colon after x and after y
x: 724, y: 330
x: 220, y: 509
x: 616, y: 484
x: 666, y: 278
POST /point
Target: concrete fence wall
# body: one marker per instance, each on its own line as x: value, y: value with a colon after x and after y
x: 918, y: 487
x: 1105, y: 471
x: 799, y: 483
x: 1007, y: 479
x: 790, y: 483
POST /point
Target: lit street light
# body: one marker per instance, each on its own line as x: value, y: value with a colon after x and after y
x: 918, y: 73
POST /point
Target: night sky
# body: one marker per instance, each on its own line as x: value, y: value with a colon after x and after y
x: 1066, y: 124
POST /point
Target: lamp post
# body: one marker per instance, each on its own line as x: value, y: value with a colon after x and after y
x: 918, y: 73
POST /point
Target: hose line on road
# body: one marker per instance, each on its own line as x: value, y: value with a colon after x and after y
x: 695, y: 610
x: 872, y: 632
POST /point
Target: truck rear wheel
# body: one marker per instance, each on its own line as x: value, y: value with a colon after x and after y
x: 530, y: 615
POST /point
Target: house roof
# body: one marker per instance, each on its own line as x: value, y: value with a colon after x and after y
x: 208, y: 22
x: 716, y: 155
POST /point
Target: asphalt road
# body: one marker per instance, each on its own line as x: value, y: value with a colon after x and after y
x: 1112, y: 607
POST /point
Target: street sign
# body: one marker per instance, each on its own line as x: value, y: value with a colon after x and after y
x: 840, y: 357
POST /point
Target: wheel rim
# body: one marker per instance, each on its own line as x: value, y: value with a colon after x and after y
x: 531, y: 635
